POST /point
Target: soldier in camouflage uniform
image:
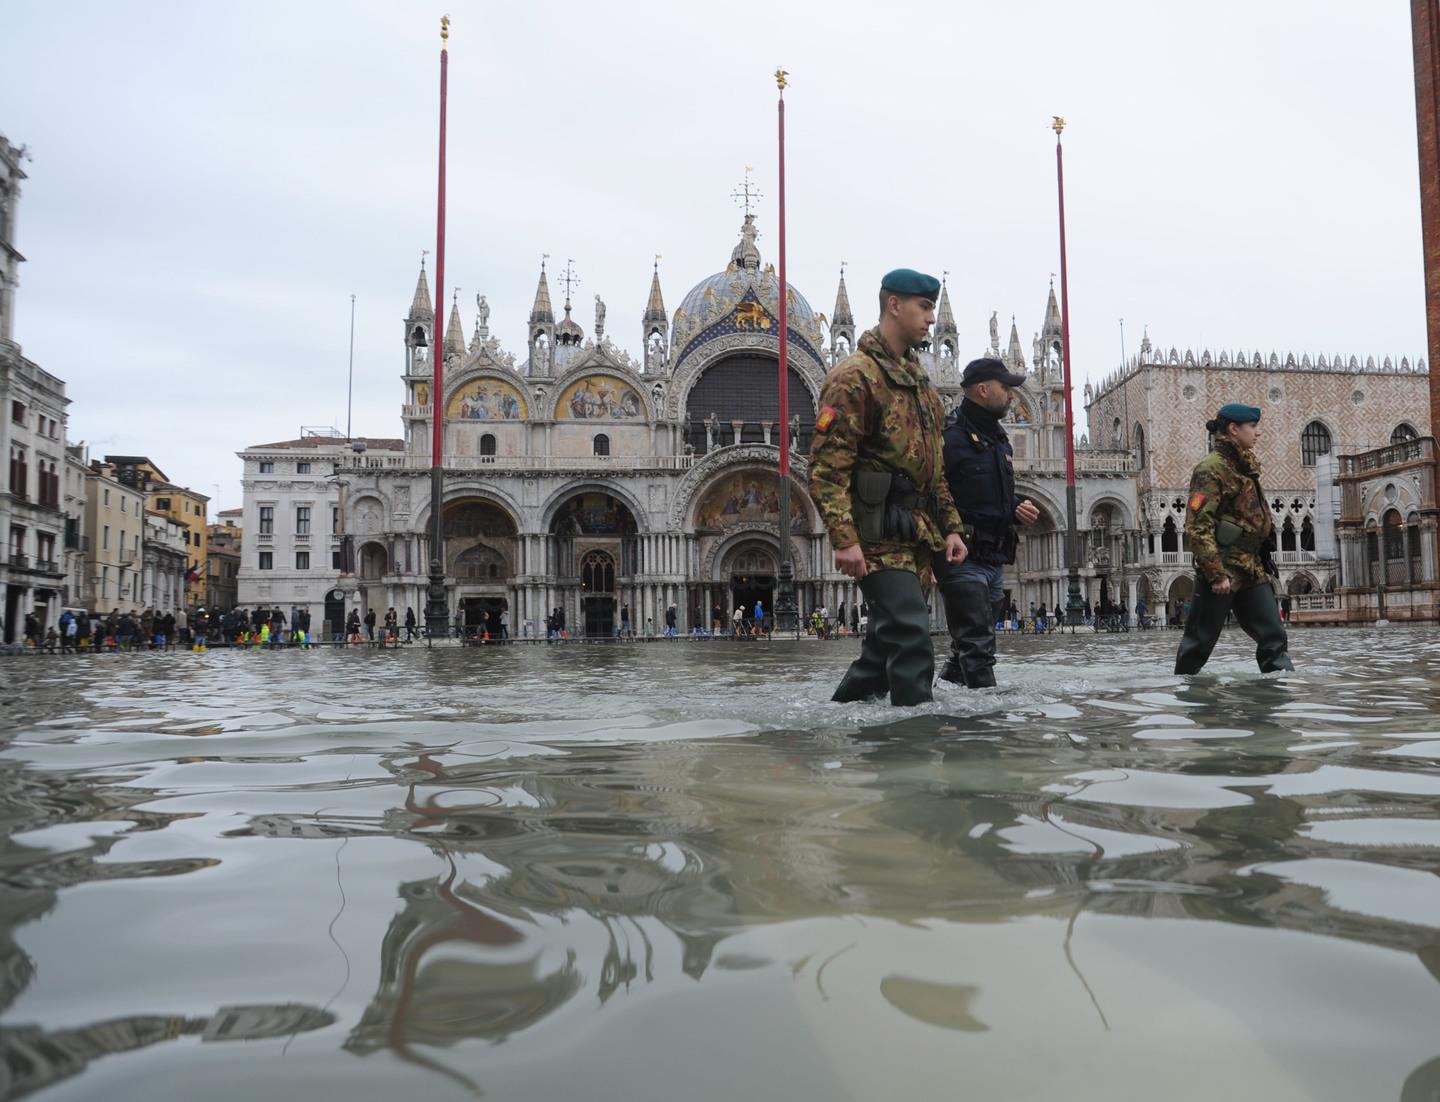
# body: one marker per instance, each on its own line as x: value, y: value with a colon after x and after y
x: 1232, y: 537
x: 877, y: 476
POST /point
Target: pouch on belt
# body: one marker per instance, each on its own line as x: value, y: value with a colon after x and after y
x: 867, y: 504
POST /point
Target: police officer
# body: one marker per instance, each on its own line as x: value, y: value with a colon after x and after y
x: 981, y: 477
x: 877, y: 478
x: 1232, y: 537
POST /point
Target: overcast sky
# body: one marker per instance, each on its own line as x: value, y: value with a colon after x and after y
x: 212, y: 181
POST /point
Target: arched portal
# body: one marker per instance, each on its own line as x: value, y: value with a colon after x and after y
x: 744, y: 389
x: 1181, y: 590
x: 480, y: 553
x: 750, y: 569
x: 595, y: 552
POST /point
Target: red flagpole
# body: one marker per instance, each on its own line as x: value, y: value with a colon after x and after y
x: 1074, y: 606
x: 437, y: 443
x: 437, y: 610
x: 784, y: 303
x: 786, y: 609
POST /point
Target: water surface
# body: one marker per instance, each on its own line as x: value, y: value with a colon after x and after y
x: 677, y: 871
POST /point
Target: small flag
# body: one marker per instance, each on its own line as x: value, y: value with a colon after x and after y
x: 193, y: 574
x: 1197, y: 499
x: 825, y: 420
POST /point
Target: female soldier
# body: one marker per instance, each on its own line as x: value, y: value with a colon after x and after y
x: 1231, y: 536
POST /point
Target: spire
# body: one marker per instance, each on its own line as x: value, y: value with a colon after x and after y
x: 842, y: 314
x: 542, y: 311
x: 1015, y: 354
x: 420, y: 305
x: 945, y: 319
x: 454, y: 331
x: 1052, y: 313
x: 655, y: 308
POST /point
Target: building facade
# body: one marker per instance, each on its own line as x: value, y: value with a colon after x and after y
x: 291, y: 550
x: 222, y: 559
x: 181, y: 504
x: 164, y: 564
x: 115, y: 518
x: 613, y: 487
x: 1313, y: 410
x: 32, y: 436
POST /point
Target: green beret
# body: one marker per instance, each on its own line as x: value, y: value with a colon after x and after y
x: 907, y: 281
x: 1238, y: 412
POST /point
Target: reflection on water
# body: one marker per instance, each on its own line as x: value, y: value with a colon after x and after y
x: 662, y: 872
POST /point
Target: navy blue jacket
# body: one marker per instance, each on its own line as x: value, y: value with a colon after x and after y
x: 981, y: 475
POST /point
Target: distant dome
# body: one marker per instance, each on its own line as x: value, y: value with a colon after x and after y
x: 743, y: 274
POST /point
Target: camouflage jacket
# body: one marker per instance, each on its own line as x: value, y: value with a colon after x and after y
x: 1225, y: 486
x: 881, y: 413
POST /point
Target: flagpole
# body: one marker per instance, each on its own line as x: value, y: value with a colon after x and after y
x: 1074, y: 607
x: 786, y: 612
x: 436, y: 610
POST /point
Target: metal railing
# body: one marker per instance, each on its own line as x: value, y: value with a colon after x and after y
x: 520, y: 462
x: 1317, y: 602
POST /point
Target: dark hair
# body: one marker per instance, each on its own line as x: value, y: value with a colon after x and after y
x: 1216, y: 426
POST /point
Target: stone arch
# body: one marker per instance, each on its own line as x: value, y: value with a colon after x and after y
x: 707, y: 467
x: 488, y: 372
x: 741, y: 387
x: 601, y: 366
x: 463, y: 489
x: 751, y: 494
x: 372, y: 561
x: 700, y: 360
x: 1105, y: 500
x: 1302, y: 581
x: 369, y: 513
x: 556, y: 501
x: 720, y: 554
x: 480, y: 532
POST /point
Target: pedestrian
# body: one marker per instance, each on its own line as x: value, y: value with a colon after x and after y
x: 738, y: 621
x: 856, y: 611
x: 52, y: 639
x: 409, y: 624
x: 759, y: 618
x: 877, y: 477
x: 717, y: 620
x: 32, y: 631
x: 671, y: 630
x: 370, y: 624
x: 305, y: 639
x: 392, y: 625
x: 981, y: 476
x: 1232, y: 537
x: 352, y: 626
x: 625, y: 621
x: 504, y: 623
x: 200, y: 630
x: 1141, y: 608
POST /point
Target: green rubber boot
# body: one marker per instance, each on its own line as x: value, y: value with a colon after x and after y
x: 900, y: 623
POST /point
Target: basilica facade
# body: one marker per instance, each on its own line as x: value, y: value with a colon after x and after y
x: 614, y: 487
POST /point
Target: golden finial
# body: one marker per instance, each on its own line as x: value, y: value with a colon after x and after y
x: 780, y: 81
x: 444, y: 30
x: 1058, y: 125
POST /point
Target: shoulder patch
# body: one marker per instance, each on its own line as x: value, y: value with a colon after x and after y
x: 1197, y: 499
x: 826, y: 419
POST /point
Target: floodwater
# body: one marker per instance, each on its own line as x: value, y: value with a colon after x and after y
x: 677, y: 871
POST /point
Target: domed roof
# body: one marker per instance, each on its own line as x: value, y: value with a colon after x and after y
x: 742, y: 275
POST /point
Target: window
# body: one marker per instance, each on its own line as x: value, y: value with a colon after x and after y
x: 302, y: 560
x: 1139, y: 435
x: 334, y: 519
x: 162, y: 504
x: 487, y: 444
x: 302, y: 520
x: 1314, y: 442
x: 1403, y: 432
x: 302, y: 467
x: 17, y: 412
x: 105, y: 539
x: 267, y: 560
x: 335, y: 559
x: 19, y: 473
x: 267, y: 520
x: 107, y: 497
x: 124, y: 504
x: 267, y: 467
x: 602, y: 444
